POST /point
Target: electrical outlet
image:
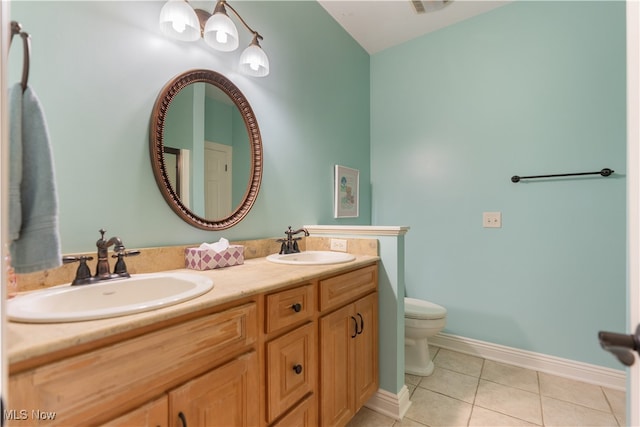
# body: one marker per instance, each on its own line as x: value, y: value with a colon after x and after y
x: 339, y: 245
x: 492, y: 219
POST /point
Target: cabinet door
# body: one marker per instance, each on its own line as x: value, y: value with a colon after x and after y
x: 337, y: 332
x: 366, y: 349
x: 223, y: 397
x: 303, y: 415
x: 153, y: 414
x: 291, y: 369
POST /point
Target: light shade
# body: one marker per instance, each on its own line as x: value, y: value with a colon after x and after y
x: 253, y: 61
x: 179, y: 21
x: 221, y: 33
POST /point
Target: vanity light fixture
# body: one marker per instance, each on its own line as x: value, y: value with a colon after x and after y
x: 180, y: 21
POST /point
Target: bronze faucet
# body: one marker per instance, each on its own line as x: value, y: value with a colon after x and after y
x: 103, y: 271
x: 290, y: 244
x: 102, y: 267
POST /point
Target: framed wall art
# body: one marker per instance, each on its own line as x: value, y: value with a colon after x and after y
x: 347, y: 192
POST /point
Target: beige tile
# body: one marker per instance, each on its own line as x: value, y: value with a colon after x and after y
x: 450, y: 383
x: 509, y: 401
x: 481, y: 417
x: 454, y: 361
x: 566, y: 414
x: 411, y: 379
x: 573, y: 391
x: 509, y: 375
x: 434, y: 409
x: 365, y: 417
x: 411, y: 388
x: 354, y: 246
x: 433, y: 351
x: 618, y: 401
x: 408, y: 422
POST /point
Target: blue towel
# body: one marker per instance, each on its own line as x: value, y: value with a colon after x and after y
x: 33, y: 201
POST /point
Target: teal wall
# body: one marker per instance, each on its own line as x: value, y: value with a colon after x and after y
x: 98, y: 68
x: 529, y: 88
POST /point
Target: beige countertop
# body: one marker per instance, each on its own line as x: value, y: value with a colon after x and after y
x: 27, y: 341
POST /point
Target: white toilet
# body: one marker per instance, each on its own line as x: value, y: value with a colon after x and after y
x: 422, y: 319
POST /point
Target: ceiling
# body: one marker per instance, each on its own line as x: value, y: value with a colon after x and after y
x: 379, y: 24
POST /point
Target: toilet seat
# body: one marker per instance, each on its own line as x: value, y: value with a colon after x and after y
x: 419, y: 309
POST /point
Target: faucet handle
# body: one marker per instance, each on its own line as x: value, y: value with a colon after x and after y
x: 83, y: 273
x: 122, y: 252
x: 121, y: 268
x: 68, y: 259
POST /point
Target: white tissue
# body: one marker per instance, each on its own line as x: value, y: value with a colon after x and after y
x: 218, y: 246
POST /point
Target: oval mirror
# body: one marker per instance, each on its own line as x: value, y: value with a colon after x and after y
x: 206, y: 150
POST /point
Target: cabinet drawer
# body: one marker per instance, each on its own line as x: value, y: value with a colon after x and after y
x: 291, y: 369
x: 83, y: 389
x: 339, y: 290
x: 305, y: 414
x: 289, y: 307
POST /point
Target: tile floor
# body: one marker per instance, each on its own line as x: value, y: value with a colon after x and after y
x: 466, y: 390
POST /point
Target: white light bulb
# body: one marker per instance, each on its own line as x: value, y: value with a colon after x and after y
x: 179, y: 26
x: 221, y: 33
x: 221, y: 37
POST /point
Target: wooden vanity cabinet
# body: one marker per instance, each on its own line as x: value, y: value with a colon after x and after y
x: 348, y: 344
x: 303, y: 356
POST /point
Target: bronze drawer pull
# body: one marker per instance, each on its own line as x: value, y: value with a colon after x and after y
x: 355, y: 322
x: 183, y: 419
x: 297, y: 369
x: 296, y: 307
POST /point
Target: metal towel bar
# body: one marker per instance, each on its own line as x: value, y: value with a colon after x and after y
x: 603, y: 172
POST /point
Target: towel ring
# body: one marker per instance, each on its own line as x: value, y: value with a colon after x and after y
x: 16, y: 29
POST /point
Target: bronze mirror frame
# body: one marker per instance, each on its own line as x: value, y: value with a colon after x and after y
x: 156, y: 146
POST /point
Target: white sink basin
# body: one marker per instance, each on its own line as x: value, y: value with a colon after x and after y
x: 142, y: 292
x: 312, y: 258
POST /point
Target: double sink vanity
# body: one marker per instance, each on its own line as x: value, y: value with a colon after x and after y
x: 269, y: 343
x: 280, y: 340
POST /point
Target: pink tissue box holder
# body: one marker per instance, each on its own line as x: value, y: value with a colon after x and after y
x: 207, y: 259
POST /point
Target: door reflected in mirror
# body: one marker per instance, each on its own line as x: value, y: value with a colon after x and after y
x: 206, y: 149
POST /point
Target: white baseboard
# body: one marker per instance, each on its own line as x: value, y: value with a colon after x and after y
x: 593, y: 374
x: 389, y: 404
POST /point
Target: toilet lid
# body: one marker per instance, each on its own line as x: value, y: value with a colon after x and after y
x: 420, y: 309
